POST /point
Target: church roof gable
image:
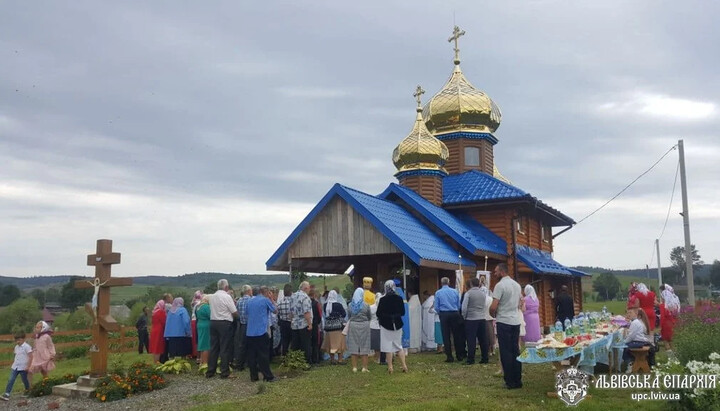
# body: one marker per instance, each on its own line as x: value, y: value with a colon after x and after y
x: 542, y: 262
x: 406, y: 232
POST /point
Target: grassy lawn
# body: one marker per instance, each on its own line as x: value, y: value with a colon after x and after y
x: 615, y: 307
x: 74, y: 366
x: 431, y: 384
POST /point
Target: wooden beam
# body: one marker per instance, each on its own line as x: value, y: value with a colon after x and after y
x: 113, y: 282
x: 112, y: 258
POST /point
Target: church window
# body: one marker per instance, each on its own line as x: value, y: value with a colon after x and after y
x: 520, y: 225
x: 472, y: 157
x: 545, y: 233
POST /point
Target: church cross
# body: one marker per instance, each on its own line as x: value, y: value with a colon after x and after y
x: 99, y: 308
x: 418, y: 92
x: 457, y: 33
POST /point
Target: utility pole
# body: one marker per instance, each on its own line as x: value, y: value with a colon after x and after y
x: 657, y: 251
x: 686, y: 226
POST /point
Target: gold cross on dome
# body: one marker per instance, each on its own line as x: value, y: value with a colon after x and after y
x: 457, y: 33
x: 418, y: 92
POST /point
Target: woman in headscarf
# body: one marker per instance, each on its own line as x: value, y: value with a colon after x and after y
x: 177, y: 330
x: 359, y: 330
x: 375, y: 328
x: 669, y: 310
x: 334, y: 341
x: 202, y: 313
x: 193, y: 323
x: 157, y: 333
x: 532, y: 318
x: 633, y: 300
x: 43, y: 354
x: 390, y: 312
x: 647, y: 304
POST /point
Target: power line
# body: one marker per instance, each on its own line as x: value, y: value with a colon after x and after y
x: 628, y: 186
x: 667, y: 217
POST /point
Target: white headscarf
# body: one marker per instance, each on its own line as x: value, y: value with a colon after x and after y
x: 642, y: 289
x: 332, y: 298
x: 530, y: 292
x: 672, y: 302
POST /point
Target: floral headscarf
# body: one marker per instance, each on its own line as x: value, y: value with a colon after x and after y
x: 159, y: 306
x: 44, y: 329
x: 357, y: 301
x: 672, y: 302
x: 331, y: 298
x: 177, y: 303
x: 196, y: 298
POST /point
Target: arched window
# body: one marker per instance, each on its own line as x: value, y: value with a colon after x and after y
x: 472, y: 157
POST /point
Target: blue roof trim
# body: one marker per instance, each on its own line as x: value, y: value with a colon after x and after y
x: 474, y: 186
x: 471, y: 235
x: 469, y: 135
x: 421, y: 173
x: 579, y: 273
x: 540, y: 261
x: 412, y: 237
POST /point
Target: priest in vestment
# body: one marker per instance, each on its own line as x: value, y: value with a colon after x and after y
x: 428, y: 323
x: 415, y: 323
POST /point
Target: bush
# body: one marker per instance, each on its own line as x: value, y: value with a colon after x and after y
x: 175, y: 366
x: 694, y: 399
x: 74, y: 352
x: 295, y: 360
x: 23, y: 313
x: 112, y: 388
x: 697, y: 333
x: 44, y: 387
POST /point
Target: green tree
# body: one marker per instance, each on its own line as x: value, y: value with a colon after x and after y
x: 347, y: 293
x: 52, y: 295
x: 210, y: 288
x: 39, y: 295
x: 137, y: 310
x: 607, y: 286
x: 23, y: 313
x: 672, y: 275
x: 297, y: 278
x: 677, y: 256
x: 77, y: 320
x: 715, y: 274
x: 8, y: 294
x: 71, y: 297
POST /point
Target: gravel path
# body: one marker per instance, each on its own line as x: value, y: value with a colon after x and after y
x: 182, y: 392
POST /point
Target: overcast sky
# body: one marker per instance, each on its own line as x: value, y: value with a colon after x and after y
x: 197, y: 135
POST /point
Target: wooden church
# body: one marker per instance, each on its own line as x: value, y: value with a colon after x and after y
x: 452, y: 210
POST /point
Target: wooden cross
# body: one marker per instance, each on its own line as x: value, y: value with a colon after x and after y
x: 457, y: 33
x: 418, y: 92
x: 99, y: 308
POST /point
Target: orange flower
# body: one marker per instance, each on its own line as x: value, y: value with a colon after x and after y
x: 102, y: 398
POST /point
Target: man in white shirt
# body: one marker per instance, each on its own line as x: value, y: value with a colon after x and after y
x: 222, y: 312
x: 505, y: 306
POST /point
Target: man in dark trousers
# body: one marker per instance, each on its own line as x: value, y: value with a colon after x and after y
x: 141, y: 326
x: 505, y: 308
x: 258, y: 342
x: 447, y: 305
x: 564, y: 306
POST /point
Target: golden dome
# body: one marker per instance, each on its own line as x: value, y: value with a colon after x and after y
x: 499, y: 176
x: 420, y: 150
x: 459, y: 106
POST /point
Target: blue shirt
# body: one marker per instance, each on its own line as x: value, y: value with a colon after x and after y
x: 447, y: 299
x: 177, y: 324
x: 258, y: 311
x: 242, y: 309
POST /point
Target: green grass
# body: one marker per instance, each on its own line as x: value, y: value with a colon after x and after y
x: 430, y: 385
x: 74, y: 366
x: 119, y: 295
x: 615, y: 307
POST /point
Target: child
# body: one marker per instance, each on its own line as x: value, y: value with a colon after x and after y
x: 23, y: 358
x: 638, y: 335
x: 43, y: 360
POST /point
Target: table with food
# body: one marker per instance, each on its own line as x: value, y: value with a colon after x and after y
x: 588, y: 339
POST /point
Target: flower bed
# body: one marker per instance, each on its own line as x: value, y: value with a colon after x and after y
x: 697, y: 333
x: 140, y: 377
x: 695, y: 399
x: 45, y: 386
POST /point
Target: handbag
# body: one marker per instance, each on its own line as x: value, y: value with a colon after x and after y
x: 333, y: 324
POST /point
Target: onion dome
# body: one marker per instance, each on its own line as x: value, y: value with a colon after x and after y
x: 420, y: 150
x: 499, y: 176
x: 459, y: 106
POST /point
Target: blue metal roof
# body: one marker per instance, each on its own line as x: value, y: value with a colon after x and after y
x: 579, y: 273
x: 470, y: 234
x: 406, y: 232
x: 474, y: 185
x: 542, y: 262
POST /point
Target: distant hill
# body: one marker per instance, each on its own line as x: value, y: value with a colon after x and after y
x: 197, y: 280
x: 641, y: 272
